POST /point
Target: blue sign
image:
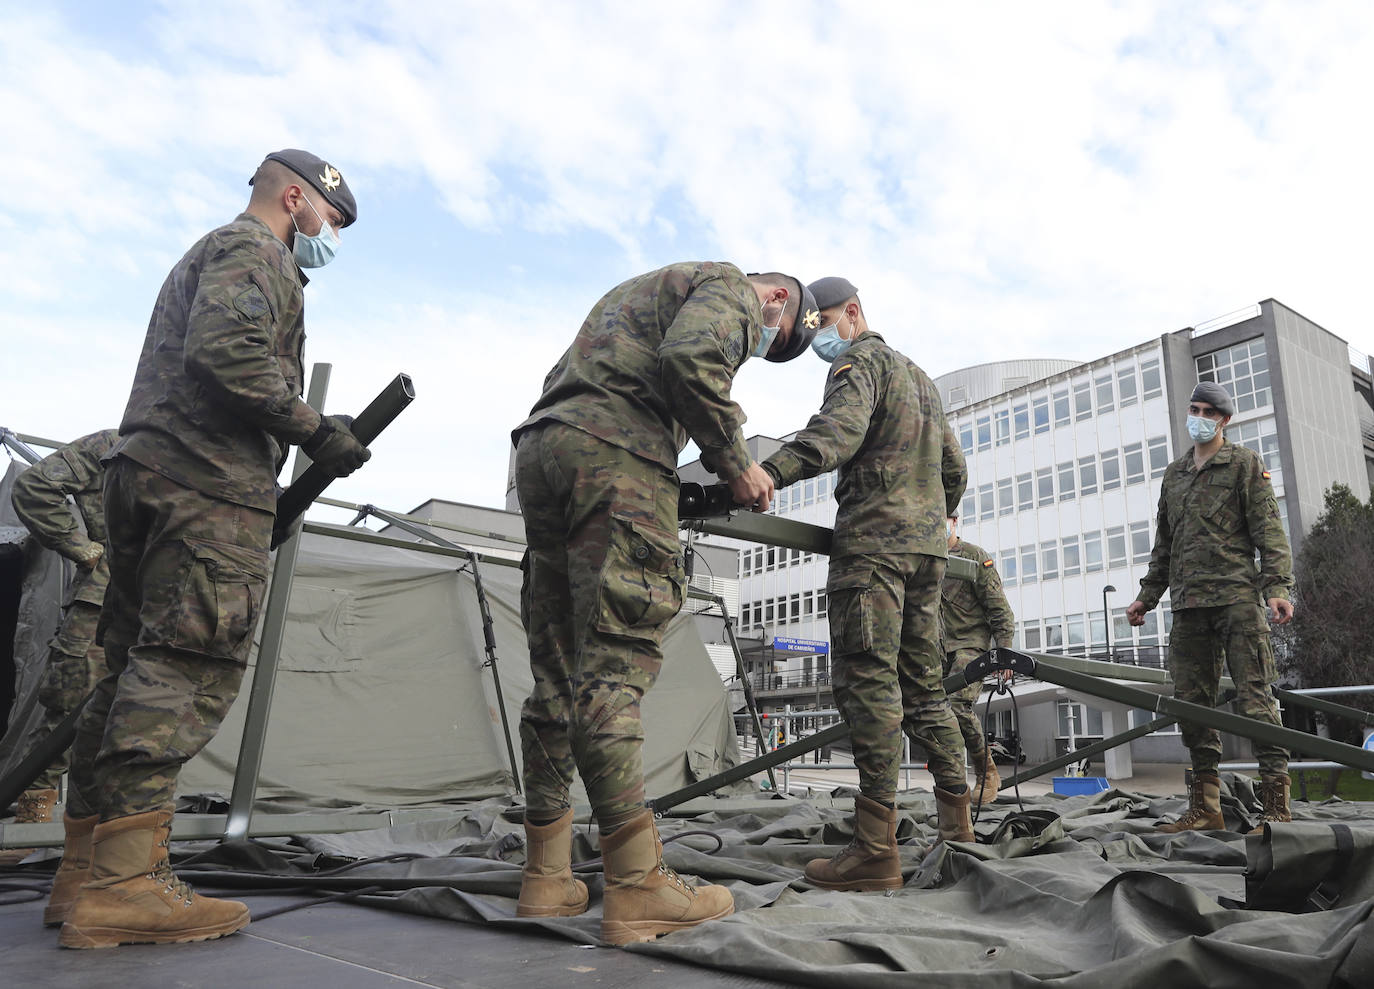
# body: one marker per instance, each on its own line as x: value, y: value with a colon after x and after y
x: 785, y: 643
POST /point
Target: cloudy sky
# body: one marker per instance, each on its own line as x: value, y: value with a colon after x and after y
x: 1000, y: 180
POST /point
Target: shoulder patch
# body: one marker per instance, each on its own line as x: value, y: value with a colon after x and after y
x: 734, y: 348
x: 987, y: 563
x: 842, y: 369
x: 252, y: 303
x: 1264, y: 474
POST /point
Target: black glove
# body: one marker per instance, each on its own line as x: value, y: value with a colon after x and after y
x: 334, y: 447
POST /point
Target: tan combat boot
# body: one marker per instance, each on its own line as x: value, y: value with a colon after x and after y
x: 952, y: 809
x: 547, y: 886
x: 74, y: 870
x: 1273, y: 793
x: 644, y: 898
x: 987, y: 780
x: 870, y: 860
x: 133, y: 896
x: 1204, y: 806
x: 33, y: 807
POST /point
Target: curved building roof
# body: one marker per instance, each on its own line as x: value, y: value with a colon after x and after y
x: 973, y: 384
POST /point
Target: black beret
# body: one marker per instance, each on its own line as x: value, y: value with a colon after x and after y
x: 832, y: 290
x: 1215, y: 396
x: 804, y: 326
x: 324, y: 177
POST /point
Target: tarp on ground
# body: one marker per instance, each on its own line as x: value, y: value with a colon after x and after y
x: 382, y: 698
x: 1070, y: 892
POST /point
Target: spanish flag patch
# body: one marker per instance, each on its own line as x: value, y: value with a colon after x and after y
x: 1265, y: 474
x: 841, y: 370
x: 987, y: 563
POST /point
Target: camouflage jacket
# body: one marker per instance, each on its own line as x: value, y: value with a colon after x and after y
x: 901, y: 470
x: 974, y: 613
x: 1211, y: 522
x: 658, y: 353
x: 216, y: 396
x: 40, y: 500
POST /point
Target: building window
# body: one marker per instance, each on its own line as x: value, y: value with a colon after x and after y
x: 1243, y: 370
x: 1097, y: 628
x: 809, y: 491
x: 966, y: 507
x: 1003, y: 419
x: 1007, y: 567
x: 1074, y: 627
x: 1111, y: 470
x: 1072, y: 564
x: 1135, y: 462
x: 820, y: 604
x: 1116, y: 546
x: 1021, y: 420
x: 1049, y: 560
x: 1125, y: 386
x: 1067, y: 481
x: 1082, y: 401
x: 966, y: 438
x: 1005, y: 505
x: 1262, y: 437
x: 985, y: 432
x: 986, y: 508
x: 1040, y: 414
x: 1151, y: 383
x: 958, y: 395
x: 1140, y: 542
x: 1087, y: 475
x: 1028, y: 567
x: 1025, y: 493
x: 1106, y: 398
x: 1044, y: 486
x: 1032, y: 636
x: 1054, y: 634
x: 1061, y: 408
x: 1092, y: 552
x: 1159, y: 455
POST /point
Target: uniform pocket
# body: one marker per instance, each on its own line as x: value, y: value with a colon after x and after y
x: 642, y: 581
x: 851, y: 613
x: 220, y: 599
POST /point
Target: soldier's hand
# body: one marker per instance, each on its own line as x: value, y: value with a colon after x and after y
x: 1281, y: 610
x: 335, y: 448
x: 753, y: 489
x: 85, y: 554
x: 1135, y: 612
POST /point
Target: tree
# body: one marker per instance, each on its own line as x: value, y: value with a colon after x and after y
x: 1331, y: 639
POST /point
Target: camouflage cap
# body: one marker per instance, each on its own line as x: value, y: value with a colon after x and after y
x: 832, y: 290
x: 1215, y: 396
x: 804, y: 326
x: 324, y: 177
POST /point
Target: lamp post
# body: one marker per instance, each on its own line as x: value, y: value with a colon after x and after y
x: 1107, y: 619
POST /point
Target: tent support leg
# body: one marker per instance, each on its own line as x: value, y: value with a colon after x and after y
x: 749, y: 701
x: 252, y: 746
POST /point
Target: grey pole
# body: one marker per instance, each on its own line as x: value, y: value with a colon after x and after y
x: 269, y: 653
x: 1107, y: 619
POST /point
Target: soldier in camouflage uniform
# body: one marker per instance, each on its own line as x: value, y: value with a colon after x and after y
x: 190, y: 494
x: 901, y: 472
x: 75, y: 662
x: 595, y: 470
x: 1216, y: 510
x: 974, y: 614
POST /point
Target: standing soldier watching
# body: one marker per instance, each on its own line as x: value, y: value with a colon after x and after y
x: 1216, y: 510
x: 882, y: 424
x: 190, y: 494
x: 974, y: 614
x: 595, y: 470
x: 74, y: 662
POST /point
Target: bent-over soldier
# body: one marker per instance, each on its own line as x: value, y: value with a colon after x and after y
x: 1216, y: 511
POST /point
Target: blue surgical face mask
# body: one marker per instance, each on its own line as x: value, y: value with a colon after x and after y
x: 828, y: 344
x: 316, y: 251
x: 1202, y: 429
x: 770, y: 333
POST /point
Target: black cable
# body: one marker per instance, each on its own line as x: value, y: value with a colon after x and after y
x: 720, y: 843
x: 316, y: 901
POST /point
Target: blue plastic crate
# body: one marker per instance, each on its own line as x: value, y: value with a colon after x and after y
x: 1072, y: 786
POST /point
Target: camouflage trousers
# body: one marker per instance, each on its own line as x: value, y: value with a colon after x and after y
x: 888, y: 674
x: 961, y: 702
x: 186, y: 579
x: 603, y: 576
x: 74, y: 664
x: 1200, y: 640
